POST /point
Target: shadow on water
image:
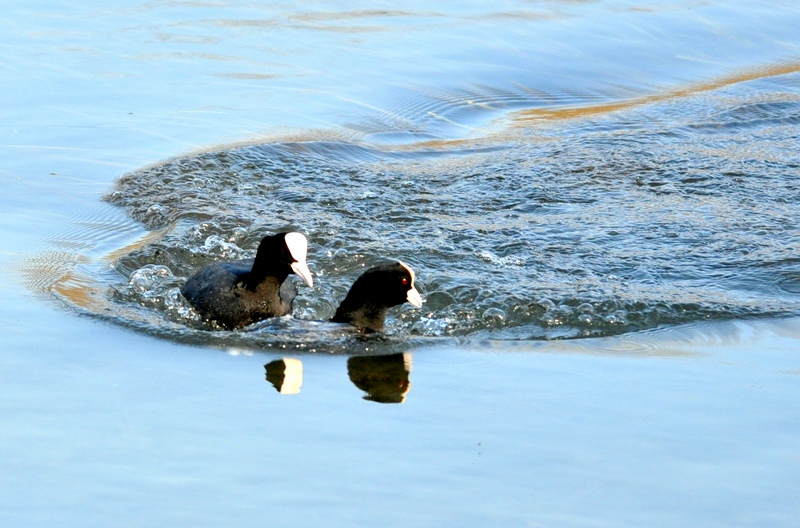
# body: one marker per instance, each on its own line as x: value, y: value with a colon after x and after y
x: 585, y: 221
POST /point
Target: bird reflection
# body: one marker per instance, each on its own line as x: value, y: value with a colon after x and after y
x: 286, y: 375
x: 383, y: 378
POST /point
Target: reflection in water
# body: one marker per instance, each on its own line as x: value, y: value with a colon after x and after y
x: 286, y: 375
x: 383, y: 378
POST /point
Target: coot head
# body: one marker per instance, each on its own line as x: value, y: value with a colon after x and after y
x: 282, y: 254
x: 374, y: 292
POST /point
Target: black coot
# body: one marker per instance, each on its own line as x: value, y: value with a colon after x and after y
x: 377, y: 290
x: 236, y: 294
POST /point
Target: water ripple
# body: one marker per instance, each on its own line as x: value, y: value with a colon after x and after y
x: 674, y: 211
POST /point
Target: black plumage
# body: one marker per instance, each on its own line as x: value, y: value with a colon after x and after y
x: 236, y: 294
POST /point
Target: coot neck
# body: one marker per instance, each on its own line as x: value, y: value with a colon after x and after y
x: 262, y: 272
x: 366, y: 315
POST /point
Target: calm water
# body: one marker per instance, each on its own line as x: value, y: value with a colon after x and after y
x: 599, y: 199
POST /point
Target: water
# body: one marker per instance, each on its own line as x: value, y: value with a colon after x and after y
x: 642, y: 213
x: 617, y: 223
x: 599, y: 199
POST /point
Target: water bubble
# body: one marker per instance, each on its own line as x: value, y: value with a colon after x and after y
x: 156, y: 211
x: 485, y: 256
x: 550, y: 318
x: 237, y: 234
x: 173, y: 299
x: 430, y: 326
x: 218, y: 246
x: 546, y: 303
x: 508, y: 261
x: 494, y: 315
x: 202, y: 230
x: 438, y: 300
x: 147, y: 277
x: 585, y: 319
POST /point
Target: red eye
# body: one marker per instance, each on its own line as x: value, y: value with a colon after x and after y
x: 404, y: 281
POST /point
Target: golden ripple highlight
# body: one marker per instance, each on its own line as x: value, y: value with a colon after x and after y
x: 56, y: 274
x: 525, y: 118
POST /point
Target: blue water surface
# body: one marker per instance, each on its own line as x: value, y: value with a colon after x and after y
x: 599, y: 198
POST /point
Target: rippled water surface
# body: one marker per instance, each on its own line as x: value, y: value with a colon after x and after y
x: 672, y: 212
x: 599, y: 198
x: 648, y: 213
x: 535, y: 203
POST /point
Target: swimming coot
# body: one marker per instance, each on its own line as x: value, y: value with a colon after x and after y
x: 374, y: 292
x: 236, y: 294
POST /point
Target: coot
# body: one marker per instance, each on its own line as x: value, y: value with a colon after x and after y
x: 236, y: 294
x: 374, y: 292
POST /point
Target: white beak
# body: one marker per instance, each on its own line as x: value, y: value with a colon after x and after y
x: 301, y: 269
x: 414, y: 298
